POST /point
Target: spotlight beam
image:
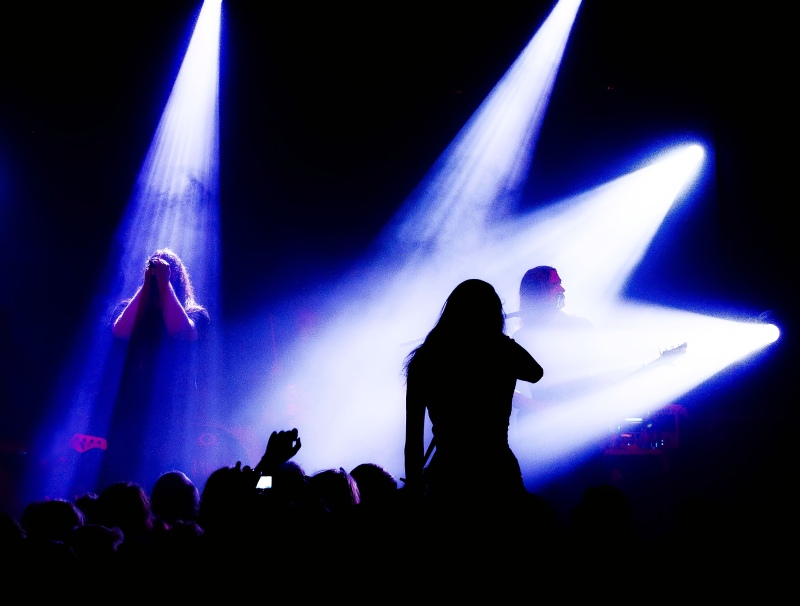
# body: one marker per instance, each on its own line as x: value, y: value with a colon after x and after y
x: 174, y: 204
x: 481, y: 172
x: 347, y: 384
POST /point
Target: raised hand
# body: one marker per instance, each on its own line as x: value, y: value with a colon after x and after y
x: 281, y: 447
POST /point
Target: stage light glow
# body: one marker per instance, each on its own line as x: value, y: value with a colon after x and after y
x: 351, y: 374
x: 344, y: 389
x: 652, y: 378
x: 596, y: 238
x: 479, y: 175
x: 175, y: 200
x: 175, y: 205
x: 348, y: 380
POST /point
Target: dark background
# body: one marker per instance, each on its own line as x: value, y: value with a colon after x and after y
x: 329, y: 117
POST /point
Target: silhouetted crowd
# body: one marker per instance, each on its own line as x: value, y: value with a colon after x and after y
x: 356, y: 533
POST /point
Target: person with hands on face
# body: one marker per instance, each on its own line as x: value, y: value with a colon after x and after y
x: 158, y: 393
x: 166, y: 287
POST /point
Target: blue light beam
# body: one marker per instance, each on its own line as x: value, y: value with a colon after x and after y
x: 175, y: 204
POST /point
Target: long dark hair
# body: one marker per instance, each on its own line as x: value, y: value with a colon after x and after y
x: 472, y: 311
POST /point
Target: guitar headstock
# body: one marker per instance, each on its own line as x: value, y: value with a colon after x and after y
x: 82, y: 443
x: 674, y: 351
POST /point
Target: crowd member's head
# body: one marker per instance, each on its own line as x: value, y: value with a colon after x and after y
x: 51, y: 520
x: 126, y: 505
x: 336, y: 489
x: 227, y: 502
x: 87, y: 503
x: 174, y: 498
x: 376, y: 486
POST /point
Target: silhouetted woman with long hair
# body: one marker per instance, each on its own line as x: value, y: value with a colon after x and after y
x: 464, y: 374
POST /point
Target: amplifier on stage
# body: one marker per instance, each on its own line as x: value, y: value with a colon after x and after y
x: 649, y: 434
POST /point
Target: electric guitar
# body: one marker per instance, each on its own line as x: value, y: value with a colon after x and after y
x: 672, y: 352
x: 537, y: 400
